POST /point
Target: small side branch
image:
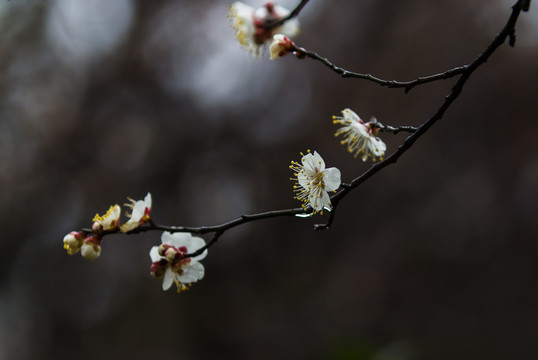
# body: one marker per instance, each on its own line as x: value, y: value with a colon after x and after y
x: 396, y: 130
x: 407, y: 85
x: 449, y: 99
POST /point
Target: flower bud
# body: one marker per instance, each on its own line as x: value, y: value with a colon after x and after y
x: 97, y: 227
x: 91, y: 248
x: 171, y: 254
x: 73, y: 242
x: 162, y: 249
x: 158, y: 269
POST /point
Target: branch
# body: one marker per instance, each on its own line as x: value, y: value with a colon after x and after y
x: 506, y: 32
x: 416, y: 132
x: 408, y: 85
x: 396, y: 130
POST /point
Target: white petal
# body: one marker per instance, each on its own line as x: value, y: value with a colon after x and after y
x: 138, y: 210
x: 380, y: 147
x: 303, y: 179
x: 196, y: 244
x: 281, y: 11
x: 147, y: 201
x: 192, y: 272
x: 319, y: 161
x: 168, y: 279
x: 308, y: 162
x: 177, y: 239
x: 315, y: 201
x: 129, y: 225
x: 154, y: 254
x: 290, y: 28
x: 351, y: 115
x: 325, y: 200
x: 242, y: 9
x: 332, y: 179
x: 361, y: 129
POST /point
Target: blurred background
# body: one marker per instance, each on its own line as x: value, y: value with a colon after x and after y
x: 433, y: 258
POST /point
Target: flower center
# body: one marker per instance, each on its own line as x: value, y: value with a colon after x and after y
x: 317, y: 180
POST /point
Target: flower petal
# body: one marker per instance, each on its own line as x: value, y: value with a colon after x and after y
x: 325, y: 200
x: 196, y: 244
x: 315, y: 201
x: 290, y: 28
x: 168, y: 279
x: 319, y: 162
x: 177, y: 239
x: 303, y: 179
x: 154, y: 254
x: 192, y: 272
x: 147, y: 200
x: 332, y: 179
x: 351, y: 115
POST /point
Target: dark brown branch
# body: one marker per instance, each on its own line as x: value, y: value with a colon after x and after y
x: 222, y: 227
x: 396, y: 130
x: 454, y: 93
x: 465, y: 72
x: 407, y: 85
x: 213, y: 240
x: 520, y: 5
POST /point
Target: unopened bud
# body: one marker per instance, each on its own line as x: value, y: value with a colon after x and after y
x: 171, y: 254
x: 91, y: 248
x: 162, y: 249
x: 73, y: 242
x: 158, y: 269
x: 97, y: 227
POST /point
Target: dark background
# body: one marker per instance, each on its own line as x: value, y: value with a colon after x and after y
x: 433, y: 258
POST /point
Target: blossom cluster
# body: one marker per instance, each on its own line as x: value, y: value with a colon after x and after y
x: 169, y: 260
x: 252, y: 26
x: 177, y: 259
x: 89, y: 243
x: 173, y: 260
x: 313, y: 181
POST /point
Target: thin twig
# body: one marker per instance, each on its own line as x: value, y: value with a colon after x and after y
x: 396, y: 130
x: 407, y: 85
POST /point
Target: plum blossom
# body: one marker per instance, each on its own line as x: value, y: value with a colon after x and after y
x: 360, y: 137
x: 170, y: 263
x: 280, y: 46
x: 249, y: 24
x: 314, y: 181
x: 109, y: 221
x: 140, y: 213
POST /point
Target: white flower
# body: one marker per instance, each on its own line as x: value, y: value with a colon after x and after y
x: 140, y: 213
x: 109, y: 221
x: 169, y: 261
x: 360, y: 137
x: 280, y: 46
x: 249, y: 24
x: 314, y: 181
